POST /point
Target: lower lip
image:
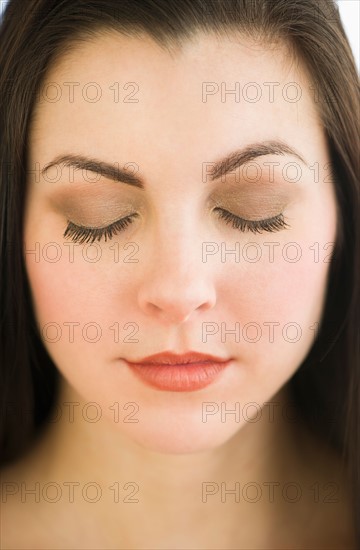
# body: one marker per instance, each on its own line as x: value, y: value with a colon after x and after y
x: 178, y: 378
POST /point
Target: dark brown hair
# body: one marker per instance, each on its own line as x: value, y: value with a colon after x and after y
x: 33, y: 35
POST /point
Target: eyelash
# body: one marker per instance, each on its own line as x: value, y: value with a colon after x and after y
x: 271, y: 225
x: 82, y: 234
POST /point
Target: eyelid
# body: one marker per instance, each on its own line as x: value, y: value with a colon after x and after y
x: 251, y: 204
x: 102, y: 206
x: 83, y: 234
x: 275, y: 223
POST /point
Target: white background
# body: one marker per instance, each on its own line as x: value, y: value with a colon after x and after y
x: 350, y: 15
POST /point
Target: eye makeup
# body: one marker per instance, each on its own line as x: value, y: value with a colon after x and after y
x: 254, y: 207
x: 95, y: 212
x: 90, y: 234
x: 82, y: 235
x: 253, y: 201
x: 276, y: 223
x: 95, y: 207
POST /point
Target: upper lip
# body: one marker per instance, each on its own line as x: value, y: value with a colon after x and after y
x: 169, y: 358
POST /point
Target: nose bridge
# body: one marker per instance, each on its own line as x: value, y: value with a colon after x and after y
x: 176, y: 282
x: 176, y: 231
x: 178, y: 241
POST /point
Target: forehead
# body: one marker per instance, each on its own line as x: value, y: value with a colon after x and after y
x: 207, y: 95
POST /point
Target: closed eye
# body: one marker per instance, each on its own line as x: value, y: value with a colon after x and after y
x: 276, y: 223
x: 81, y: 234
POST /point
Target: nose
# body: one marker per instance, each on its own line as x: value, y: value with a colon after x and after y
x: 177, y: 284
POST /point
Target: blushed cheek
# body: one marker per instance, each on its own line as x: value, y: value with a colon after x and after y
x: 82, y: 308
x: 283, y: 292
x: 292, y: 291
x: 56, y: 290
x: 278, y: 301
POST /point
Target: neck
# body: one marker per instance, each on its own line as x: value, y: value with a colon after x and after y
x: 177, y: 498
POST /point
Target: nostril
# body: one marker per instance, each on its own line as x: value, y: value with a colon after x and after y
x: 154, y: 308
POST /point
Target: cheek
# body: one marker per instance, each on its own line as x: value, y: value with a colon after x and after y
x: 278, y: 306
x: 81, y: 315
x: 287, y: 284
x: 275, y: 306
x: 79, y: 299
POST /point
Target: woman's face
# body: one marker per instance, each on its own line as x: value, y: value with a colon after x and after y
x: 179, y: 274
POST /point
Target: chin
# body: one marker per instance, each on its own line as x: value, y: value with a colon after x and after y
x: 169, y: 438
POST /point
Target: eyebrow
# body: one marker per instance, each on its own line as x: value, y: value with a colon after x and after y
x: 249, y: 153
x: 218, y: 169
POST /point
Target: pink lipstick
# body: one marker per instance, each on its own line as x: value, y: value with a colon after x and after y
x: 179, y: 373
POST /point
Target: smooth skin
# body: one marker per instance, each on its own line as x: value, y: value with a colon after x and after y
x: 180, y: 463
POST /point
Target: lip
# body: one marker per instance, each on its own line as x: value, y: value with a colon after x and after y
x: 170, y: 358
x: 178, y: 373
